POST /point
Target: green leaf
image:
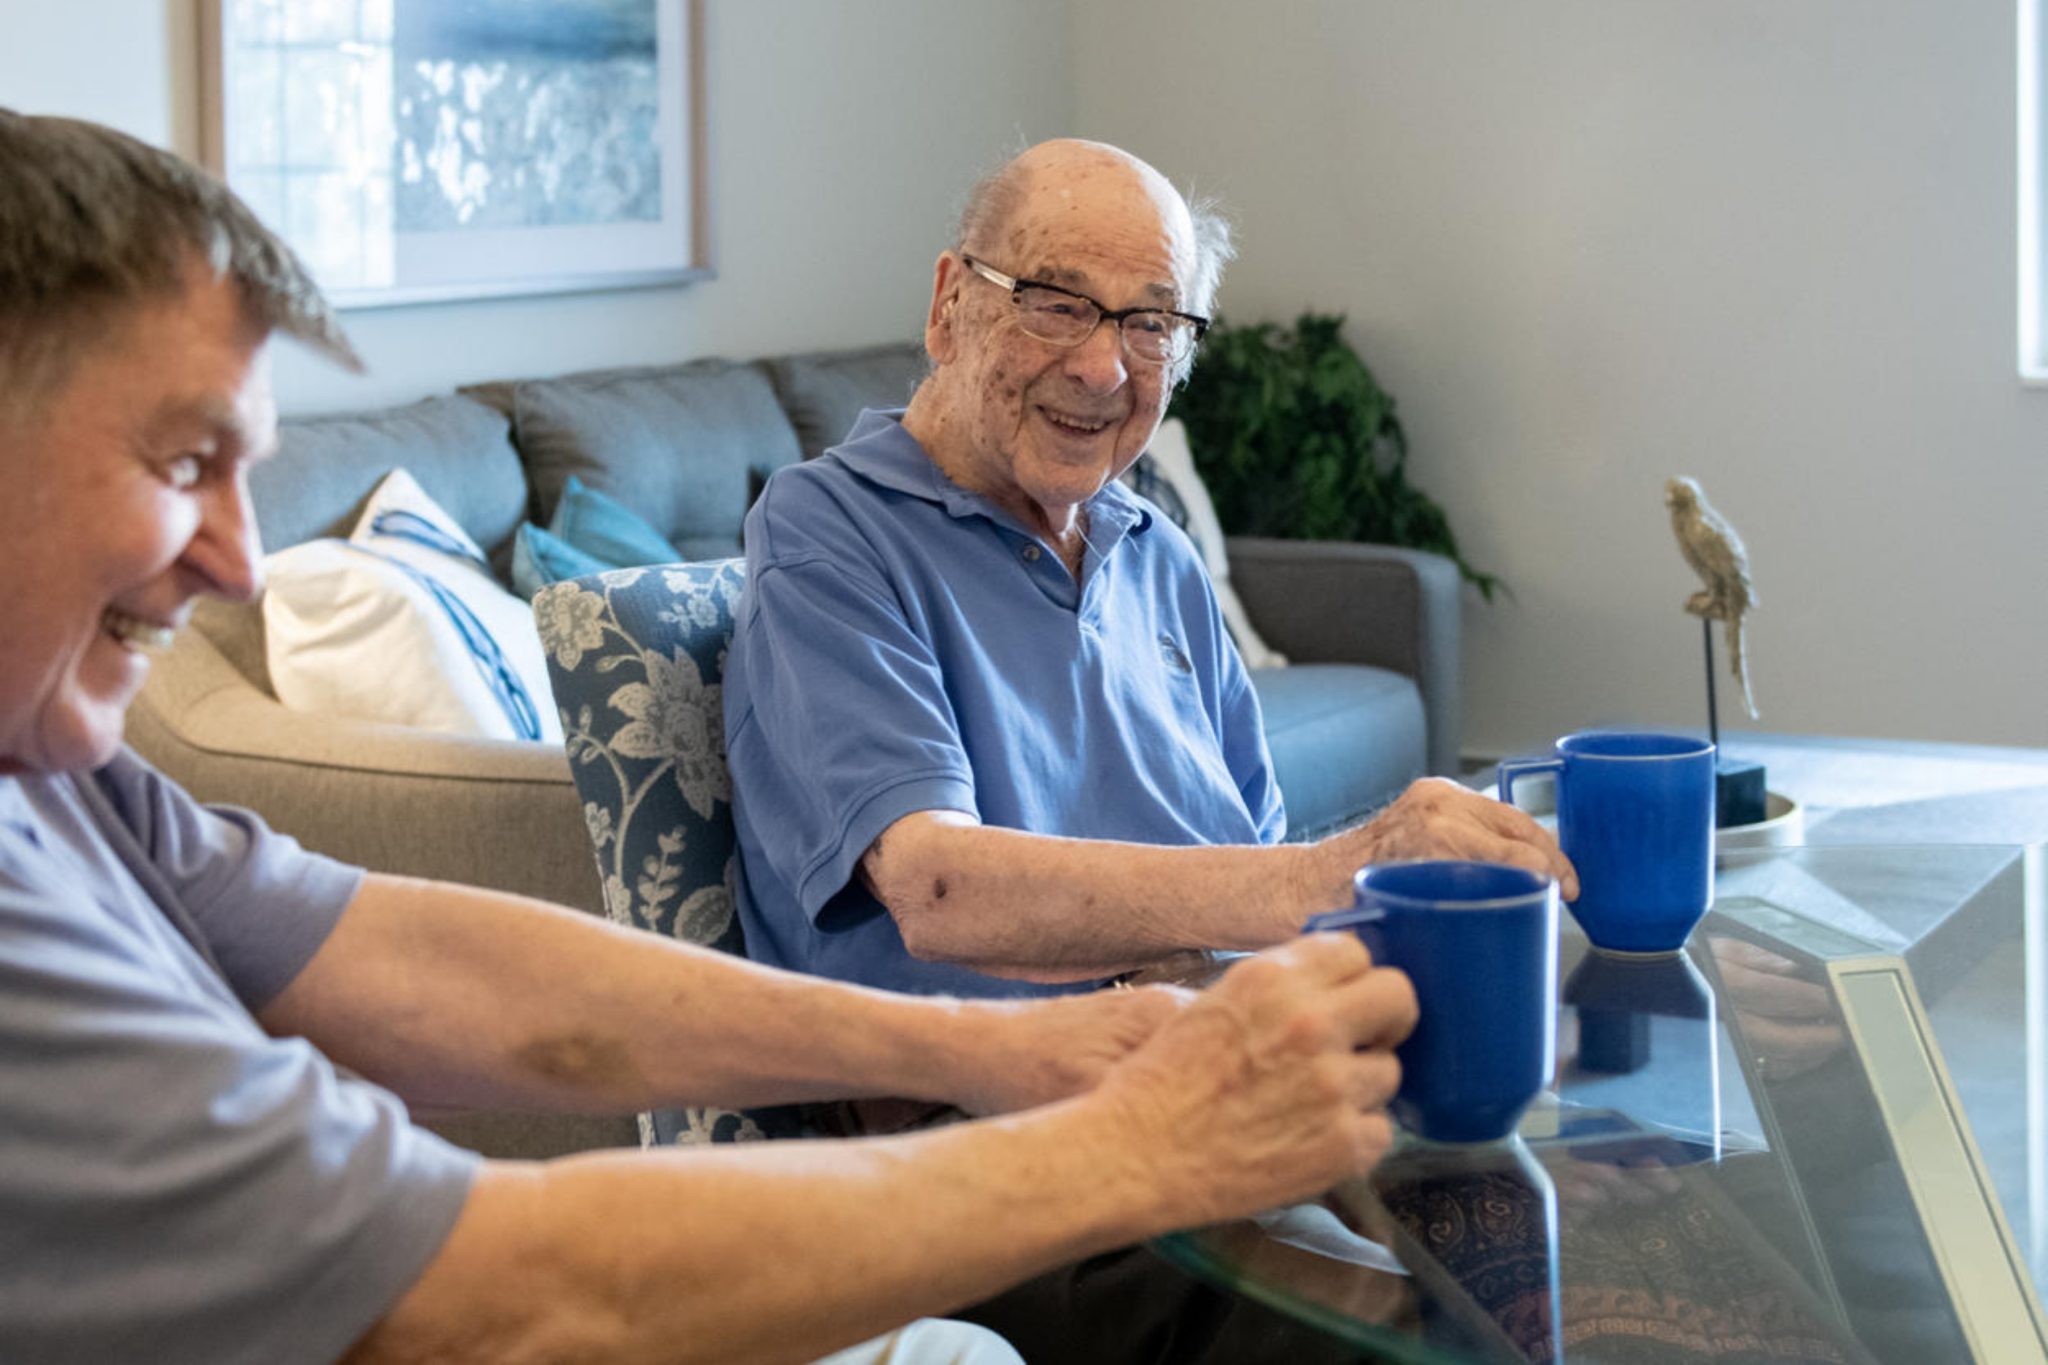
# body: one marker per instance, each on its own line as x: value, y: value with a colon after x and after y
x: 1296, y: 439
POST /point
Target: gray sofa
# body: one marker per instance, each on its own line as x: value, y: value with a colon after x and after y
x: 1371, y: 702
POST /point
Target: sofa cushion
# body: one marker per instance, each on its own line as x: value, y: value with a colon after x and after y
x: 1345, y: 738
x: 460, y: 452
x: 236, y: 630
x: 681, y: 445
x: 823, y: 392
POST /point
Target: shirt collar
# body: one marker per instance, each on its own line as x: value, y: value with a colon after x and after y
x: 880, y: 451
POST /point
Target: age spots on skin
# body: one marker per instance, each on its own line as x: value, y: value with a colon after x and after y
x: 586, y: 1059
x: 1004, y: 383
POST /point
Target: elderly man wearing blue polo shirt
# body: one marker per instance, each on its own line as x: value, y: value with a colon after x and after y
x: 987, y: 732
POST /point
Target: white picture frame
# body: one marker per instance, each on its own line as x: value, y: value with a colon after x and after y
x: 416, y: 151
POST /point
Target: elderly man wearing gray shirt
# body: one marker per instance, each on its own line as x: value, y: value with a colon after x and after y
x: 208, y: 1035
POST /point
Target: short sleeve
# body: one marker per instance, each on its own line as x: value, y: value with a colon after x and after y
x: 848, y: 727
x: 177, y: 1187
x: 263, y: 902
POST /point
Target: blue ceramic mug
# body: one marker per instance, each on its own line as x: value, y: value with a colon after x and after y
x: 1479, y: 941
x: 1635, y: 814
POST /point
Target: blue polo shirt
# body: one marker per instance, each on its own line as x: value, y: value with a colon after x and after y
x: 906, y: 645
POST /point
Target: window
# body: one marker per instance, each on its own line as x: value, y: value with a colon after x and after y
x: 2033, y: 249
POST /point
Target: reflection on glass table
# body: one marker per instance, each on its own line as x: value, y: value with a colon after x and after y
x: 1820, y: 1134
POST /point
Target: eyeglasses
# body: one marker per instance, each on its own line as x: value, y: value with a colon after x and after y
x: 1151, y: 336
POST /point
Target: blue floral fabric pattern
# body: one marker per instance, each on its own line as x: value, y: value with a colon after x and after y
x: 637, y: 660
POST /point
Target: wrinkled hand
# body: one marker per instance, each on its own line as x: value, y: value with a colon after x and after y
x: 1792, y: 1023
x: 1270, y: 1086
x: 1588, y: 1188
x: 1438, y: 818
x: 1047, y: 1050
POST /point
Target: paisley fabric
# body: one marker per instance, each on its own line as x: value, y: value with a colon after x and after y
x: 1653, y: 1266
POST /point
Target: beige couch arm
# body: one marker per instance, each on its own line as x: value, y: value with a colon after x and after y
x: 485, y: 812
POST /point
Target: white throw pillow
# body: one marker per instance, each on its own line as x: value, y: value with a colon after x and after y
x: 1174, y: 465
x: 403, y: 623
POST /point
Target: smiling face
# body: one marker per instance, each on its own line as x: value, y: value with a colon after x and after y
x: 127, y: 498
x: 1040, y: 428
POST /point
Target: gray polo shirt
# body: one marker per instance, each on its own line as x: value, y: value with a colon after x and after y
x: 175, y: 1184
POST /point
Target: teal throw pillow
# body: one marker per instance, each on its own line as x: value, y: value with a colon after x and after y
x: 591, y: 532
x: 539, y: 558
x: 602, y: 526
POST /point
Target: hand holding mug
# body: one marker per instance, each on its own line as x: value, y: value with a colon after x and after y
x: 1437, y: 818
x: 1479, y: 943
x: 1271, y: 1085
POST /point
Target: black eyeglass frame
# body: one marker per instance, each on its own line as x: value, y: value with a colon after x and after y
x: 1017, y: 287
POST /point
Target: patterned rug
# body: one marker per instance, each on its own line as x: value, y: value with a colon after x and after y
x: 1678, y: 1280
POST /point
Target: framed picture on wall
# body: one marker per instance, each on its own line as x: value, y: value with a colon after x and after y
x: 422, y: 150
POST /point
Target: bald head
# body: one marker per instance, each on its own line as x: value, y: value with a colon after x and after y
x: 1032, y: 402
x: 1095, y: 180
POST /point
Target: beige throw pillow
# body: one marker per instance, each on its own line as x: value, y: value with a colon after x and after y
x: 1174, y: 465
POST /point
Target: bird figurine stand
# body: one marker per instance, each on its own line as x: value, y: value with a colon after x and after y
x: 1738, y: 782
x: 1716, y: 554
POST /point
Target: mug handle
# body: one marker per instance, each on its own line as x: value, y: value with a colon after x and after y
x: 1512, y: 768
x: 1366, y: 921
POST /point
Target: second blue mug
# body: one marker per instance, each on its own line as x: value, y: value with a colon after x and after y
x: 1479, y: 942
x: 1635, y: 814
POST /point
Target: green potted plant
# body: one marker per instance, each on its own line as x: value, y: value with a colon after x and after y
x: 1295, y: 439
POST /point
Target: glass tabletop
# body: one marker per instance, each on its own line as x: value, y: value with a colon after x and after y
x: 1818, y: 1134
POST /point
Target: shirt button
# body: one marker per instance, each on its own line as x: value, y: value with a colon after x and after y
x: 1030, y: 554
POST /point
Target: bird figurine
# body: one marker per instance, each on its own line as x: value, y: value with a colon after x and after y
x: 1715, y: 553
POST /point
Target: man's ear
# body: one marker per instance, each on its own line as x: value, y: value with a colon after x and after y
x: 940, y: 335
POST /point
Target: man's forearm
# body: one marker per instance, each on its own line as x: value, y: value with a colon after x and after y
x: 466, y: 998
x: 1265, y: 1089
x: 1057, y: 909
x: 765, y: 1252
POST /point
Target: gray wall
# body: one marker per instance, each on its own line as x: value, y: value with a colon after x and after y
x: 1591, y: 243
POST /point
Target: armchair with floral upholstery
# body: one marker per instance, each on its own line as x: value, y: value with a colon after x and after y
x: 637, y: 660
